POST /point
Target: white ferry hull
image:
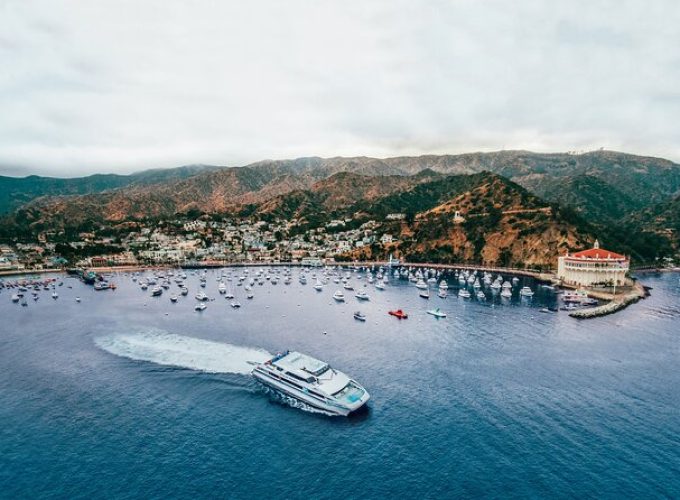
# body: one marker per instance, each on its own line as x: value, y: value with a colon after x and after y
x: 303, y: 396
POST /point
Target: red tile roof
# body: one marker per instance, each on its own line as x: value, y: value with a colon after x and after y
x: 597, y: 253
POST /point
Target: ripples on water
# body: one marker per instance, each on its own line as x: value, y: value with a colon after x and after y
x: 124, y: 395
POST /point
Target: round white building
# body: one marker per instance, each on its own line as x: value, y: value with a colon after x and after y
x: 594, y: 266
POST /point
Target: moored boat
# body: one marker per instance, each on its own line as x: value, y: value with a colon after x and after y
x: 358, y: 315
x: 398, y: 313
x: 437, y: 313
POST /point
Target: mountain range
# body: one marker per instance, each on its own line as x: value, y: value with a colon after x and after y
x: 629, y: 201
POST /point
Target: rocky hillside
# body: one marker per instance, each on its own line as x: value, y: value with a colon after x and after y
x: 503, y: 224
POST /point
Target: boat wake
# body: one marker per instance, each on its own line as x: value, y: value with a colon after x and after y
x: 169, y: 349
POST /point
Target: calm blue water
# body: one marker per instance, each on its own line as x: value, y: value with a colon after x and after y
x: 489, y: 402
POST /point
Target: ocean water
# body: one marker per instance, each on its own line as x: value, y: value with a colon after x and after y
x: 128, y: 396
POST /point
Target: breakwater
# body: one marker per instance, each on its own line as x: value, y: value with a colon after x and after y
x: 616, y: 304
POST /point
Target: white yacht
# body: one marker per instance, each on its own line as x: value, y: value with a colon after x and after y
x: 362, y: 295
x: 339, y: 296
x: 312, y: 382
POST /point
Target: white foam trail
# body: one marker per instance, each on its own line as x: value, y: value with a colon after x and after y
x: 185, y: 352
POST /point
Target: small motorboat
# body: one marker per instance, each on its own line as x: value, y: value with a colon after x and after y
x: 339, y: 296
x: 156, y: 291
x: 442, y: 294
x: 548, y: 310
x: 77, y: 299
x: 526, y: 292
x: 200, y: 307
x: 235, y: 304
x: 55, y: 295
x: 173, y: 298
x: 424, y: 294
x: 398, y: 314
x: 15, y: 298
x: 249, y: 296
x: 201, y: 296
x: 437, y: 313
x: 463, y: 293
x: 362, y: 295
x: 359, y: 316
x: 380, y: 285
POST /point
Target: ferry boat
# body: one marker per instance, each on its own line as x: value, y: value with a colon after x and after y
x: 313, y: 382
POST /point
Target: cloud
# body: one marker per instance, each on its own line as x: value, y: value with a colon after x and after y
x: 121, y: 86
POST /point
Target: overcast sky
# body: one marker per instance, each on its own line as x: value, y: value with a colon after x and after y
x: 118, y: 86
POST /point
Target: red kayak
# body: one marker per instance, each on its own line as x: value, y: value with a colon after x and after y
x: 399, y: 314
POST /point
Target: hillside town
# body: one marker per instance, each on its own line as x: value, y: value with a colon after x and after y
x: 200, y: 241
